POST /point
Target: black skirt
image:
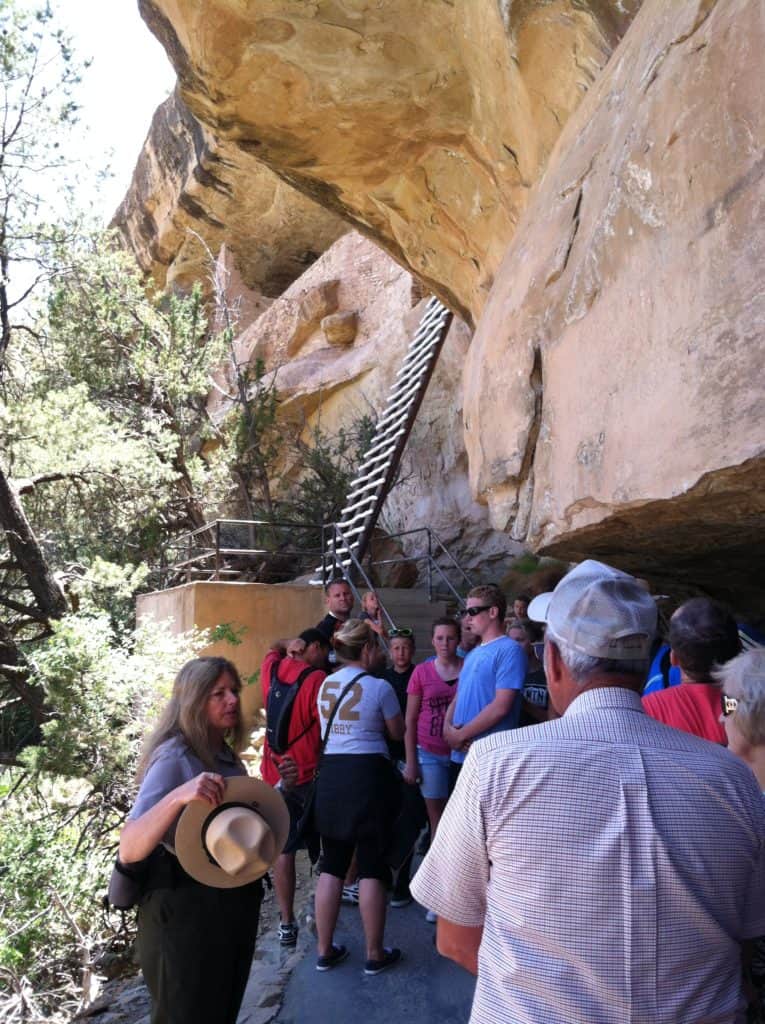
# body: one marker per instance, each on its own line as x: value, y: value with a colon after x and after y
x: 358, y: 795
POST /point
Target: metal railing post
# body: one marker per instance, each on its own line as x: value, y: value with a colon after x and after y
x: 217, y: 549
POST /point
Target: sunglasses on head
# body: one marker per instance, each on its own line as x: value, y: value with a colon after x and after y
x: 475, y: 610
x: 405, y: 632
x: 729, y: 705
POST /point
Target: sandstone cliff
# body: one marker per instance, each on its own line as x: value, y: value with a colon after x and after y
x: 583, y: 181
x: 624, y: 336
x: 192, y: 192
x: 423, y: 124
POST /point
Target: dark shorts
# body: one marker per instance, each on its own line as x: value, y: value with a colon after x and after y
x: 296, y: 802
x: 357, y: 801
x: 336, y: 856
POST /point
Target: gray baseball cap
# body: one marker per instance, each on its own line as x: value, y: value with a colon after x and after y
x: 599, y: 611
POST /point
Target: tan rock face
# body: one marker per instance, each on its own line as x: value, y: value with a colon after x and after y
x: 423, y: 124
x: 191, y: 193
x: 333, y: 385
x: 615, y: 384
x: 340, y: 328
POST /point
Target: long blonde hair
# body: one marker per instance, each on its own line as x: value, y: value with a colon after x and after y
x: 186, y: 713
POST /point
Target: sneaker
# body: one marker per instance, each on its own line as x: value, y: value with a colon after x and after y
x: 401, y: 901
x: 390, y: 959
x: 351, y: 893
x: 326, y: 963
x: 431, y: 917
x: 288, y: 933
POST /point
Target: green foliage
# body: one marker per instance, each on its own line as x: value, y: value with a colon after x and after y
x: 60, y: 817
x: 226, y: 633
x: 328, y: 463
x: 37, y: 111
x: 52, y: 933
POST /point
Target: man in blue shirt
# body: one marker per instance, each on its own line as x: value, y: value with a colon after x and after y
x: 489, y: 690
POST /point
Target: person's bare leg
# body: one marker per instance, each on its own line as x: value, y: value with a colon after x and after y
x: 327, y: 902
x: 284, y: 883
x: 435, y: 809
x: 372, y: 901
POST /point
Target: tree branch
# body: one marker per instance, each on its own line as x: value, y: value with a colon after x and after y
x: 26, y: 550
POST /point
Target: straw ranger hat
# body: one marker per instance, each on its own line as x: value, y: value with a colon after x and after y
x: 238, y: 841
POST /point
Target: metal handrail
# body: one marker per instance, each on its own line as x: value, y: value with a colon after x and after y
x: 201, y: 551
x: 432, y: 564
x: 337, y: 534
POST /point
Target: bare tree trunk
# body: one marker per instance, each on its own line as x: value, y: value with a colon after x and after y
x: 27, y: 553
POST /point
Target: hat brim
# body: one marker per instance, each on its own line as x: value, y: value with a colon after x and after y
x: 266, y: 800
x: 537, y: 610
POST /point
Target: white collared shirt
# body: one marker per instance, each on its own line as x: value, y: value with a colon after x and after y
x: 615, y: 865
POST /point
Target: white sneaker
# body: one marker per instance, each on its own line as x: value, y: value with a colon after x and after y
x: 431, y: 917
x: 351, y: 894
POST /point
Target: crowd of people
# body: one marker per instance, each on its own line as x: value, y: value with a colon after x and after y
x: 590, y: 805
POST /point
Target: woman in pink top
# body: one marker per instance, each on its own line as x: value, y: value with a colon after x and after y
x: 429, y: 693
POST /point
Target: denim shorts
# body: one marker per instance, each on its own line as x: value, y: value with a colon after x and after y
x: 434, y: 773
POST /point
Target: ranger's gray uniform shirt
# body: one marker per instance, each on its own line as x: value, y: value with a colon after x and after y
x: 172, y: 764
x: 614, y: 863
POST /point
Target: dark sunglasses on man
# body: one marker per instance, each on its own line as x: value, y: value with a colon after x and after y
x: 475, y: 610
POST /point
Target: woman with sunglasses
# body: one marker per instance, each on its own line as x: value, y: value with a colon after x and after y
x: 743, y: 714
x: 357, y: 793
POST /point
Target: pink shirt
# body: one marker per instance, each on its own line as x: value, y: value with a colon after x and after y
x: 436, y: 696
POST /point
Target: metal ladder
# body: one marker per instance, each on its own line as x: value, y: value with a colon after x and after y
x: 353, y: 531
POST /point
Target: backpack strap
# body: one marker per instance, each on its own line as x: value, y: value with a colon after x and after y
x: 298, y: 683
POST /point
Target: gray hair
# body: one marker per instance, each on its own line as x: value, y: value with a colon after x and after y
x: 743, y: 677
x: 583, y: 667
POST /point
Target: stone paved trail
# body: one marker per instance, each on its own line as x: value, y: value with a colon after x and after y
x: 424, y: 987
x: 285, y: 988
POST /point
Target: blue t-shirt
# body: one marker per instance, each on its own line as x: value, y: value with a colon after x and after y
x: 497, y: 665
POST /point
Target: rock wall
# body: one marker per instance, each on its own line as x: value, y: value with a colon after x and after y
x: 624, y: 336
x: 321, y: 380
x: 423, y: 124
x: 192, y: 193
x: 583, y: 180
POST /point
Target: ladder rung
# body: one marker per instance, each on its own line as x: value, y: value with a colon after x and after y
x: 355, y: 513
x: 388, y: 441
x: 395, y: 418
x: 417, y: 365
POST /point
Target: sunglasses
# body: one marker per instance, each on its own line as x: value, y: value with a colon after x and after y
x: 475, y: 610
x: 729, y: 705
x: 405, y: 632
